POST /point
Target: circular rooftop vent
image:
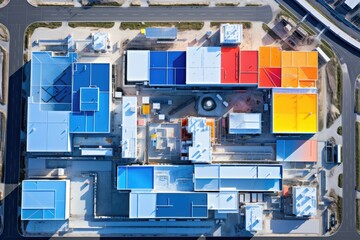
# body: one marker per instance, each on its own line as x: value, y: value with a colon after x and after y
x: 208, y: 104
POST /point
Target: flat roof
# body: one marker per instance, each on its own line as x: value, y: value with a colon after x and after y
x: 269, y: 67
x: 248, y: 67
x: 201, y: 149
x: 168, y: 205
x: 161, y: 33
x: 304, y: 201
x: 224, y: 202
x: 135, y: 177
x: 167, y: 68
x: 297, y: 150
x: 45, y: 199
x: 231, y: 33
x: 253, y: 218
x: 294, y: 111
x: 230, y: 65
x: 129, y: 127
x: 203, y: 65
x: 137, y: 65
x: 238, y: 178
x: 352, y: 3
x: 49, y: 103
x: 292, y: 226
x: 245, y: 123
x: 100, y: 41
x: 91, y: 109
x: 299, y: 69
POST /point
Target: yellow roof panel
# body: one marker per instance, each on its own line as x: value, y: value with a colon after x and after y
x: 312, y: 59
x: 294, y: 113
x: 286, y: 59
x: 299, y: 59
x: 289, y: 77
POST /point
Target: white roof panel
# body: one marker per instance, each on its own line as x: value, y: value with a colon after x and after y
x: 271, y: 172
x: 200, y: 151
x: 245, y: 123
x: 304, y: 201
x: 352, y: 3
x: 142, y: 205
x: 253, y: 218
x: 223, y: 201
x: 231, y: 33
x: 138, y: 65
x: 207, y: 171
x: 203, y: 65
x: 129, y: 127
x: 236, y: 172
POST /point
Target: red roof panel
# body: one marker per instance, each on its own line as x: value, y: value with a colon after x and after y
x: 230, y: 65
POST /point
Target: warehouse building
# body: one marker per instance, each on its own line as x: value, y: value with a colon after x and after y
x: 45, y: 200
x: 304, y: 201
x: 66, y: 97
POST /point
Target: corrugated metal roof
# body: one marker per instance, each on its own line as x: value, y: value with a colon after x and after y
x: 129, y: 127
x: 45, y: 199
x: 245, y: 123
x: 161, y: 33
x: 137, y: 65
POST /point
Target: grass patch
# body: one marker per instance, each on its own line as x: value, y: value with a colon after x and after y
x: 228, y: 4
x: 327, y: 49
x: 339, y: 204
x: 339, y: 86
x: 357, y: 100
x: 179, y: 4
x: 246, y: 25
x: 92, y: 24
x: 30, y: 29
x: 269, y: 31
x: 357, y: 143
x: 181, y: 26
x: 253, y: 5
x: 358, y: 214
x: 113, y: 4
x: 340, y: 181
x: 339, y: 131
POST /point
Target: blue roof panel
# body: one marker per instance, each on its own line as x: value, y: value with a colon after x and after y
x: 44, y: 200
x: 135, y: 178
x: 158, y: 77
x: 181, y: 205
x: 177, y: 59
x: 158, y: 59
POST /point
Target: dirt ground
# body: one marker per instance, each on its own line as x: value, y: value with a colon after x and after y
x: 4, y: 36
x: 333, y: 101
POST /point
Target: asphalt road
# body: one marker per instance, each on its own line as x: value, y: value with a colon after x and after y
x: 18, y: 14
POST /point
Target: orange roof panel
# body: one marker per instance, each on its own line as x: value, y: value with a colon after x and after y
x: 286, y: 59
x: 312, y: 59
x: 299, y: 59
x: 289, y: 77
x: 275, y: 57
x: 264, y: 56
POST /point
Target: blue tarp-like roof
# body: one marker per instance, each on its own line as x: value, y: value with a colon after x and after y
x: 135, y: 178
x: 161, y: 33
x: 91, y: 120
x: 167, y: 68
x: 44, y: 200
